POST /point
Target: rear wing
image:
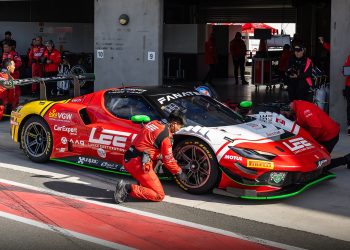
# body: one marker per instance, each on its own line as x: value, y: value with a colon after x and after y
x: 78, y: 80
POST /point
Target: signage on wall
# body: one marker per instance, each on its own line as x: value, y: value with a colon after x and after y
x: 151, y: 56
x: 100, y: 53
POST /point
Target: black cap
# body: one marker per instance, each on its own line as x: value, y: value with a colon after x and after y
x: 177, y: 116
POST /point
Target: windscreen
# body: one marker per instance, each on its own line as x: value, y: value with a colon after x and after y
x: 203, y: 111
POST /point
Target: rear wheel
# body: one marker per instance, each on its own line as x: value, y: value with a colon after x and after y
x: 199, y: 163
x: 36, y: 139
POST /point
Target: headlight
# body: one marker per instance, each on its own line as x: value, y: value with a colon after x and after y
x: 253, y: 154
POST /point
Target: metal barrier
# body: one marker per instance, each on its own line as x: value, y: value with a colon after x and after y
x: 77, y: 79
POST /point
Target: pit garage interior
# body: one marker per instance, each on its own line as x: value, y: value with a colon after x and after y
x: 159, y: 32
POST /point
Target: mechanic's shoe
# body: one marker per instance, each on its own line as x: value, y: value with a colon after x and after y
x: 121, y: 191
x: 244, y: 82
x: 348, y: 131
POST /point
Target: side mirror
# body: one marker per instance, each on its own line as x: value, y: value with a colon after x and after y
x: 140, y: 119
x: 245, y: 104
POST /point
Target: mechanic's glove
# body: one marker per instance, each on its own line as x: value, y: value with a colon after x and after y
x: 181, y: 176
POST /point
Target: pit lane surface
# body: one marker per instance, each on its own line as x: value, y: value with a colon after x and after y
x: 316, y: 219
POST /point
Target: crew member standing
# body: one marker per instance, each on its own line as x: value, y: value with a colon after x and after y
x: 210, y: 58
x: 9, y: 52
x: 36, y: 61
x: 238, y: 50
x: 141, y: 158
x: 52, y: 61
x: 8, y: 67
x: 299, y: 73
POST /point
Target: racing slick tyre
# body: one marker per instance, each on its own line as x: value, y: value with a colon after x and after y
x: 36, y: 139
x: 199, y: 163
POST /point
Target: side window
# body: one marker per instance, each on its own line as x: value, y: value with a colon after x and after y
x: 126, y: 106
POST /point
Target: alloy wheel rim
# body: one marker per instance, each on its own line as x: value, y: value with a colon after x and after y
x: 195, y: 163
x: 35, y: 139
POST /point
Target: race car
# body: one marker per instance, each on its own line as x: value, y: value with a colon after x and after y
x: 262, y: 157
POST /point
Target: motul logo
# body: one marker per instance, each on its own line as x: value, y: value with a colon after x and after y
x: 298, y: 145
x: 109, y: 138
x: 233, y: 157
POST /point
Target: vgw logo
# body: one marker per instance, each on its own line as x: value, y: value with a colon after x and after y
x: 298, y: 144
x: 109, y: 138
x: 57, y: 115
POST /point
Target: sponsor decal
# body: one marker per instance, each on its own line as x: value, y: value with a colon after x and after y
x: 307, y: 113
x: 111, y: 165
x: 79, y: 142
x: 260, y: 164
x: 109, y: 139
x: 16, y: 114
x: 151, y: 127
x: 14, y: 123
x: 175, y: 96
x: 281, y: 121
x: 77, y: 100
x: 274, y: 133
x: 60, y: 115
x: 233, y: 157
x: 61, y: 150
x: 254, y: 125
x: 71, y: 131
x: 64, y: 140
x: 83, y: 160
x: 298, y: 145
x: 101, y: 153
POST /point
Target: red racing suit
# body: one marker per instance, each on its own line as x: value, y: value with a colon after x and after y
x: 55, y: 57
x: 35, y: 55
x: 154, y: 139
x: 17, y: 59
x: 314, y: 120
x: 5, y: 94
x: 14, y: 94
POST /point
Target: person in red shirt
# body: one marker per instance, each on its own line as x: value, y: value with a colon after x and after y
x: 314, y: 120
x: 325, y: 45
x: 9, y: 52
x: 210, y: 58
x: 347, y: 95
x: 52, y: 61
x: 12, y: 54
x: 8, y: 67
x: 36, y: 56
x: 140, y: 159
x: 283, y: 62
x: 319, y: 125
x: 238, y: 50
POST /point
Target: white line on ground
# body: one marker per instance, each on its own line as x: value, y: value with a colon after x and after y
x: 156, y: 216
x: 64, y: 231
x: 52, y: 175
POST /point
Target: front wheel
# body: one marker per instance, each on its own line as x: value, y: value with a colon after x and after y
x: 36, y: 139
x: 199, y: 163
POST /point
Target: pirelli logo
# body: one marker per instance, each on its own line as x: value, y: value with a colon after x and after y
x: 260, y: 164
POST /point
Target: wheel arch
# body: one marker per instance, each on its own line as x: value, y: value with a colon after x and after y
x: 180, y: 137
x: 25, y: 119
